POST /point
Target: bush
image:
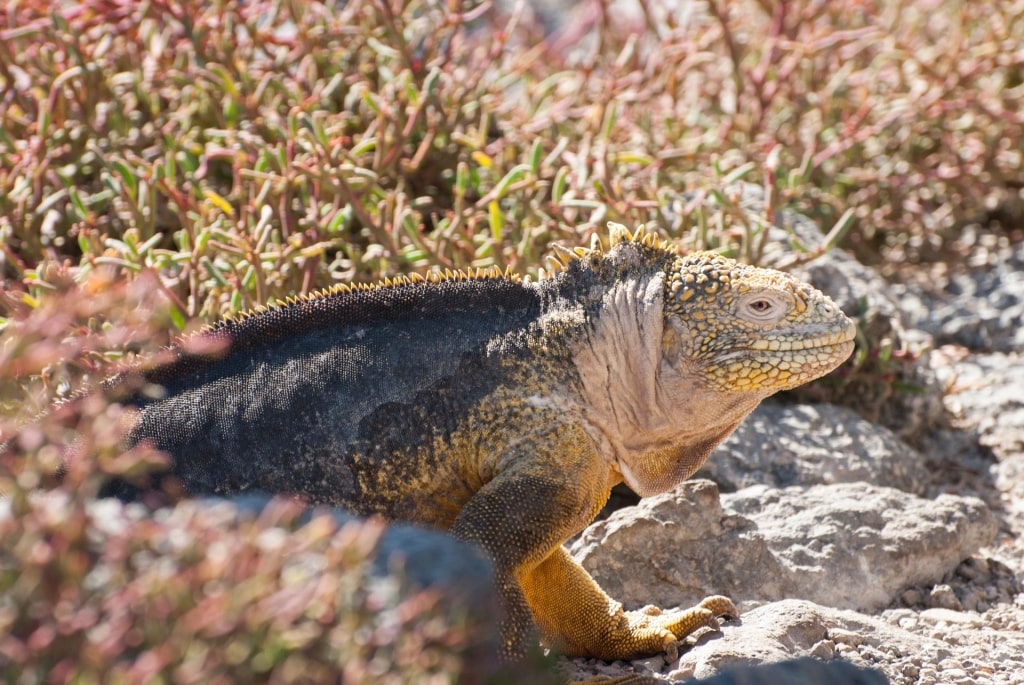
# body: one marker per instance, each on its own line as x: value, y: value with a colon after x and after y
x: 251, y: 150
x: 97, y: 593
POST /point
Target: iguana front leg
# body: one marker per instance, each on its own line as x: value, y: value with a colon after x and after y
x: 577, y: 618
x: 518, y: 519
x: 521, y: 518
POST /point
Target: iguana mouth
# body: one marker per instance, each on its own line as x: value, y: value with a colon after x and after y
x: 773, y: 364
x: 836, y: 339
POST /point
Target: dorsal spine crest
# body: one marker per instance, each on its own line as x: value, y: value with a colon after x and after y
x: 561, y: 258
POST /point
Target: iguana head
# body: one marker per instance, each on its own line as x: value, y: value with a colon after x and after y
x: 751, y: 329
x: 682, y: 347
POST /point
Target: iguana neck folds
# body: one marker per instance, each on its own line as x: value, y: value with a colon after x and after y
x: 652, y: 420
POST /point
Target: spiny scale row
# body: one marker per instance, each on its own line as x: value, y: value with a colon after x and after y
x: 617, y: 233
x: 471, y: 274
x: 563, y: 256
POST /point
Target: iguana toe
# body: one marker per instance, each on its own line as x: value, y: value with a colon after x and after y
x: 720, y: 606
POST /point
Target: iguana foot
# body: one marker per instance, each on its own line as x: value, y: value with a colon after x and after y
x: 651, y: 630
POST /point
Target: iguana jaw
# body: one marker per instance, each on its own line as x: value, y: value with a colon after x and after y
x: 717, y: 397
x: 780, y: 362
x: 827, y: 340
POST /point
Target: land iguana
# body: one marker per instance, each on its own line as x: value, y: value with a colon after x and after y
x: 499, y: 409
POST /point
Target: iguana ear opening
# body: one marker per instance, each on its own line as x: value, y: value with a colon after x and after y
x: 671, y: 343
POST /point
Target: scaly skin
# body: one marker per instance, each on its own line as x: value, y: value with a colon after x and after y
x: 500, y: 410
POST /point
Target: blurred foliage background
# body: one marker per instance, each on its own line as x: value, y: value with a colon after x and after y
x: 165, y: 163
x: 243, y: 151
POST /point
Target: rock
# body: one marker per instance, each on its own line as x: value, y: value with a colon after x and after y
x: 943, y: 597
x: 985, y: 391
x: 843, y: 545
x: 209, y: 577
x: 976, y: 585
x: 792, y: 628
x: 406, y: 560
x: 425, y: 559
x: 855, y: 545
x: 981, y: 308
x: 784, y: 444
x: 419, y: 559
x: 675, y: 549
x: 985, y: 397
x: 777, y: 632
x: 797, y: 672
x: 1009, y: 478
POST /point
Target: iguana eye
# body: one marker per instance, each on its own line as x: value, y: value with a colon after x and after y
x: 764, y: 307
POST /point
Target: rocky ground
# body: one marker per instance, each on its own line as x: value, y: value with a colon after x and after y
x: 895, y: 543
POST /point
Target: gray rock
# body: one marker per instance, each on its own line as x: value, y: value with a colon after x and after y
x: 1009, y: 478
x: 406, y: 561
x: 843, y: 545
x: 981, y: 308
x: 784, y: 444
x: 675, y: 549
x: 797, y: 672
x: 793, y: 628
x: 987, y: 392
x: 943, y: 597
x: 856, y: 545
